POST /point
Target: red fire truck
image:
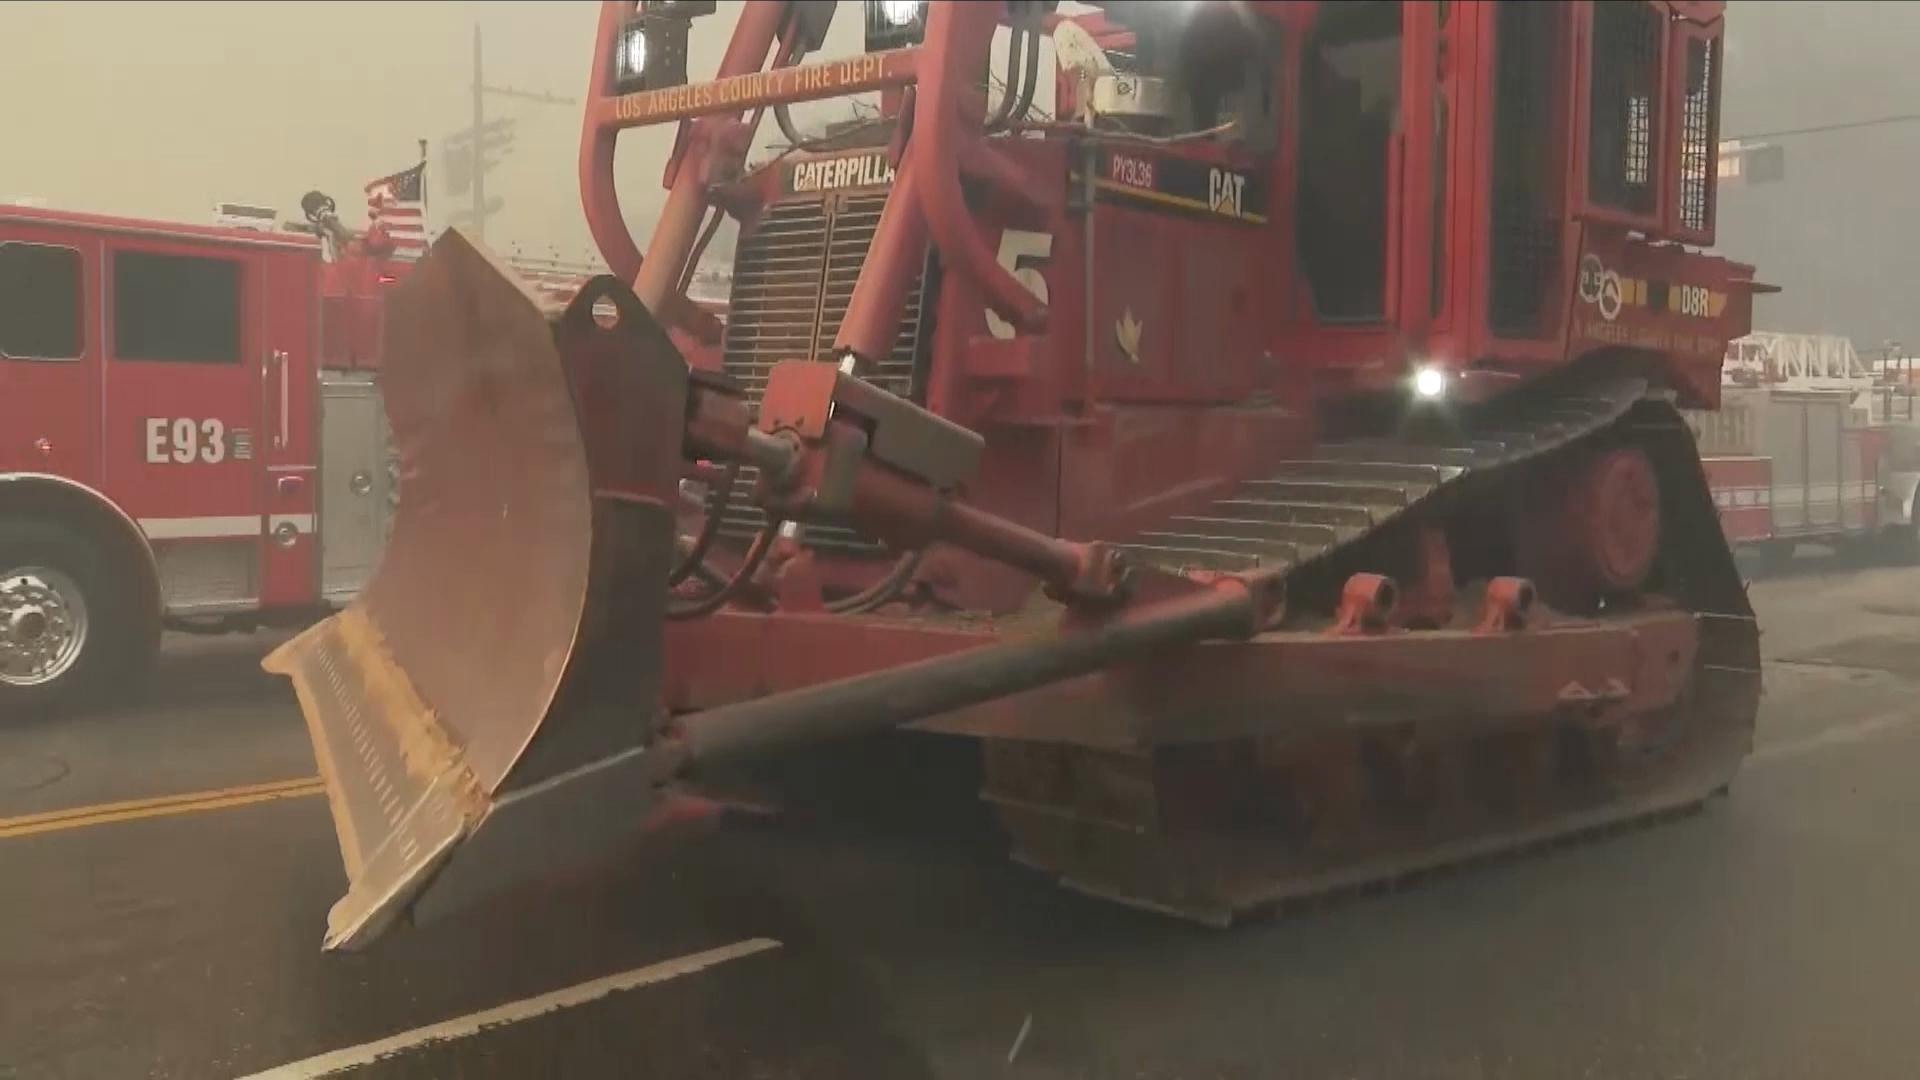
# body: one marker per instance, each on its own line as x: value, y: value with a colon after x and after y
x: 190, y: 436
x: 1812, y: 443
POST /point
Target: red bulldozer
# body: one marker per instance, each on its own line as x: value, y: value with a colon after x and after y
x: 1272, y: 455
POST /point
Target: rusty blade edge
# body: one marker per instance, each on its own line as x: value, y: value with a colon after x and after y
x: 289, y: 659
x: 385, y: 872
x: 378, y: 899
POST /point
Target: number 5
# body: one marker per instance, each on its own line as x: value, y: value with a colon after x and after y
x: 1022, y: 253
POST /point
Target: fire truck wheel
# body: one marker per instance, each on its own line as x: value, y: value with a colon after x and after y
x: 69, y: 632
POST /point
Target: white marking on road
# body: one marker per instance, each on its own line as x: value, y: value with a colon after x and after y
x: 354, y: 1057
x: 1020, y: 1039
x: 1858, y: 731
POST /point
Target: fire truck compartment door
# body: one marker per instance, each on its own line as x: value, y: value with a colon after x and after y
x: 356, y: 482
x: 1825, y: 453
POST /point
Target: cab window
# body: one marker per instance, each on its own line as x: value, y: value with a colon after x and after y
x: 39, y: 302
x: 182, y: 308
x: 1350, y: 87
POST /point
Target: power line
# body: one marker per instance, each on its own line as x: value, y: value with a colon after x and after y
x: 479, y: 133
x: 529, y: 95
x: 1845, y: 125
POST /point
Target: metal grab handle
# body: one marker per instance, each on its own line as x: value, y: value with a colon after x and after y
x: 360, y: 483
x: 279, y: 361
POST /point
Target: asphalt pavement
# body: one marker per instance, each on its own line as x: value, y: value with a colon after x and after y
x: 1771, y: 935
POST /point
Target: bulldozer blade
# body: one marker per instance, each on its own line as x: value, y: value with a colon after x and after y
x: 480, y: 712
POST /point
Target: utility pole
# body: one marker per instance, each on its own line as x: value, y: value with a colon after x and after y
x: 479, y: 143
x: 466, y: 151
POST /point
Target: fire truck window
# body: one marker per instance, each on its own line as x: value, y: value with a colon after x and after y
x: 175, y: 307
x: 1350, y: 89
x: 39, y: 302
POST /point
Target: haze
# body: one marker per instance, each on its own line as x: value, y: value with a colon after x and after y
x: 161, y: 110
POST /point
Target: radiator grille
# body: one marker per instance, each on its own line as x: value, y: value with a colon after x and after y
x: 793, y: 277
x: 1697, y: 115
x: 1626, y: 75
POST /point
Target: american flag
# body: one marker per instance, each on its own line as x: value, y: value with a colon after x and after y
x: 396, y: 206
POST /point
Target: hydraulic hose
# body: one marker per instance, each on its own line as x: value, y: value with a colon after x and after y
x: 1003, y: 112
x: 1029, y: 83
x: 714, y: 600
x: 710, y: 528
x: 882, y: 591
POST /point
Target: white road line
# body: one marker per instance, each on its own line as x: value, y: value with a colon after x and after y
x: 513, y: 1012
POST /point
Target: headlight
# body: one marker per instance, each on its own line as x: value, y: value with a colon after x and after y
x: 892, y: 24
x: 651, y: 52
x: 1429, y: 382
x: 633, y: 54
x: 899, y: 12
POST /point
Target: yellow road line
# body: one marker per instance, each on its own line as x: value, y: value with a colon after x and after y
x: 80, y: 817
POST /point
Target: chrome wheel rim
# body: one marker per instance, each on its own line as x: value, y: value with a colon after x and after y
x: 43, y: 625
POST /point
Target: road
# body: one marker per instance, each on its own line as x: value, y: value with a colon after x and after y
x: 1770, y: 936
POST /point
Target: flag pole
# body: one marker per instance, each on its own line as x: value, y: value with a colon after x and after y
x: 425, y: 209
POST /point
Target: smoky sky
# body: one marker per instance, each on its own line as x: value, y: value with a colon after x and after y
x: 1841, y: 233
x: 161, y: 110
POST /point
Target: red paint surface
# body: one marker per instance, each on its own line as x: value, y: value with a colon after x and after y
x: 93, y: 413
x: 1178, y: 353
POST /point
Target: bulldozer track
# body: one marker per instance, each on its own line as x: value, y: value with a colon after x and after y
x: 1099, y: 819
x: 1316, y: 897
x: 1306, y: 511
